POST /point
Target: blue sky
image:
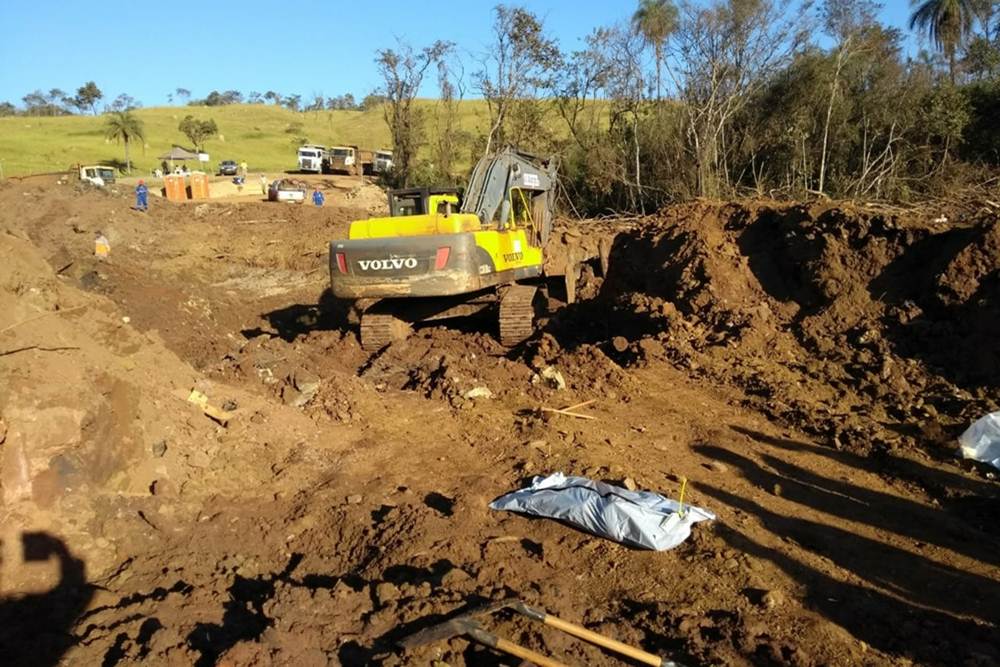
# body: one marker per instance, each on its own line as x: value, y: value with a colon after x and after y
x: 147, y: 49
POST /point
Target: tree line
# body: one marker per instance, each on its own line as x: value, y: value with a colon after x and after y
x: 718, y: 98
x: 57, y: 102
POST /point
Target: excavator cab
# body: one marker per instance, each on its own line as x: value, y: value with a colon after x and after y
x: 422, y: 201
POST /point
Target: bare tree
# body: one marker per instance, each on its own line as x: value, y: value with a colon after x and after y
x: 520, y: 62
x: 450, y: 137
x: 402, y: 70
x: 845, y: 21
x: 720, y: 55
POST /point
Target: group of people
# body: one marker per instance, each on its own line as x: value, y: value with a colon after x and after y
x: 142, y: 194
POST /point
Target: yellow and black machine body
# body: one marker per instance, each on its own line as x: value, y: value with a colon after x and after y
x: 435, y: 257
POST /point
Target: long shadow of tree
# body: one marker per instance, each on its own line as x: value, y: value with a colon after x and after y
x: 895, y: 599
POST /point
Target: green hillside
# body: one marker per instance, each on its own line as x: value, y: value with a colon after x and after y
x: 265, y: 136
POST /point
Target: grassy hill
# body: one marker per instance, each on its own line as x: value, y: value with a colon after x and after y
x: 264, y: 135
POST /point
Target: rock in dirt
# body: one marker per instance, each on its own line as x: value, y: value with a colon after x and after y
x: 772, y: 599
x: 553, y: 378
x: 306, y: 382
x: 717, y: 466
x: 619, y: 343
x: 630, y: 484
x: 386, y: 592
x: 478, y: 392
x: 201, y: 210
x: 159, y: 448
x: 354, y: 499
x: 455, y: 578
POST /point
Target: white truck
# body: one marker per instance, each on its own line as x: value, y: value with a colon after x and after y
x: 381, y: 161
x: 97, y: 174
x: 311, y: 158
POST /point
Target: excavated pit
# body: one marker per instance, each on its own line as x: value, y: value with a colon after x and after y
x: 805, y: 367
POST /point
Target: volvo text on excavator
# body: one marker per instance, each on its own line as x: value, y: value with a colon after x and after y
x: 433, y: 259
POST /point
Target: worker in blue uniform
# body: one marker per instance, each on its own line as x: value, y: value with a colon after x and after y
x: 141, y: 196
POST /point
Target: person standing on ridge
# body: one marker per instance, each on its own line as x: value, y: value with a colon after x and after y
x: 318, y: 197
x: 141, y: 196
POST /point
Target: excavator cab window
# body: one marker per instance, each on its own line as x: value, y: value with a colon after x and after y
x: 419, y: 201
x: 407, y: 205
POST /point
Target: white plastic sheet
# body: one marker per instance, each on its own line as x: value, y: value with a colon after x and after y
x: 637, y: 518
x: 981, y: 441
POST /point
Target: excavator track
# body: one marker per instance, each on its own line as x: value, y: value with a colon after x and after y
x: 380, y: 329
x: 517, y: 314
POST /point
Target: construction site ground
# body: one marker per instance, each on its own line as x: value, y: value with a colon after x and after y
x: 806, y: 367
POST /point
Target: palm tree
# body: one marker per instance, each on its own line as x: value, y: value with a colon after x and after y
x: 655, y: 20
x: 124, y: 127
x: 947, y: 23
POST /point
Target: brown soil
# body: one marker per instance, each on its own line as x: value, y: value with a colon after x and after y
x: 806, y: 367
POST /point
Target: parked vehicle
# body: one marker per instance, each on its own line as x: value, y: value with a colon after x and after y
x: 344, y: 158
x: 97, y: 174
x: 228, y: 168
x: 381, y: 162
x: 312, y: 158
x: 287, y: 190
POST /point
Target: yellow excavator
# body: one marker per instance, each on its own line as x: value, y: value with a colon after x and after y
x: 435, y: 258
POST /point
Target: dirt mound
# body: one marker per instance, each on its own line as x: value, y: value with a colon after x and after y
x: 858, y: 326
x: 369, y: 198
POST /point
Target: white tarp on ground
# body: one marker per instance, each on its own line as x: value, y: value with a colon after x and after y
x: 981, y: 441
x: 637, y: 518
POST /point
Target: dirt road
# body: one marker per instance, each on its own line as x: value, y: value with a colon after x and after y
x: 806, y: 368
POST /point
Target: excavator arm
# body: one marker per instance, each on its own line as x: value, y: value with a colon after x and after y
x: 494, y: 178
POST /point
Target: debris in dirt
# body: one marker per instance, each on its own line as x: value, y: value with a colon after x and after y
x: 478, y: 392
x: 569, y: 410
x: 201, y: 210
x: 201, y: 400
x: 102, y: 246
x: 772, y: 599
x: 306, y: 382
x: 717, y: 466
x: 638, y: 518
x: 230, y: 405
x: 981, y: 441
x: 552, y: 378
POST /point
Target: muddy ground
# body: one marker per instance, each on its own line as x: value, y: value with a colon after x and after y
x: 806, y: 367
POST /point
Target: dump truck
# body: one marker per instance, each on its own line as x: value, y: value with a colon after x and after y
x: 349, y: 159
x: 437, y: 257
